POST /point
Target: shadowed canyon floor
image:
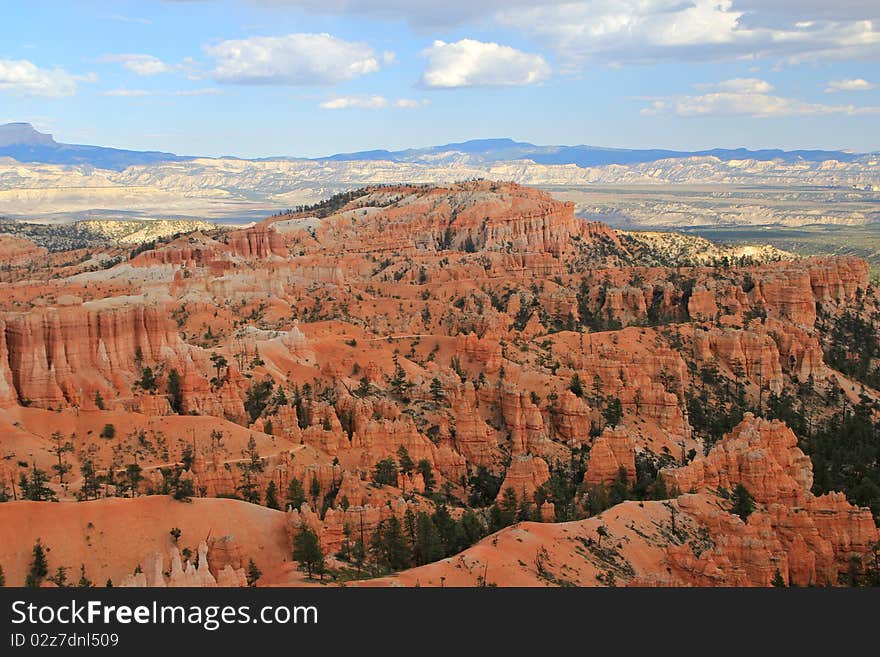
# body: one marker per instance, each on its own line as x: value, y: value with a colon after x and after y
x: 462, y: 385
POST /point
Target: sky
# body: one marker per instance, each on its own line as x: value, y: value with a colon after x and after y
x: 260, y: 78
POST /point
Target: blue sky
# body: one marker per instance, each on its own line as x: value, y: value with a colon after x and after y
x: 313, y: 77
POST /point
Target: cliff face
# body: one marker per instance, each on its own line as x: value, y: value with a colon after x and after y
x: 17, y: 251
x: 64, y: 355
x: 810, y: 540
x: 613, y: 454
x: 481, y: 332
x: 465, y: 217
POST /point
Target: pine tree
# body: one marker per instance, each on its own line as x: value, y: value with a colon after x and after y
x: 307, y: 551
x: 613, y: 412
x: 437, y: 389
x: 35, y: 488
x: 388, y: 545
x: 742, y: 502
x: 91, y: 485
x: 250, y: 469
x: 778, y: 581
x: 576, y: 386
x: 385, y: 472
x: 175, y: 394
x: 315, y: 491
x: 133, y: 473
x: 84, y: 582
x: 428, y: 544
x: 295, y: 493
x: 424, y: 468
x: 406, y: 463
x: 272, y: 496
x: 508, y: 506
x: 39, y: 567
x: 2, y: 578
x: 253, y: 573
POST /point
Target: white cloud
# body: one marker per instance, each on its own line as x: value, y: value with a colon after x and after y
x: 857, y: 84
x: 360, y: 102
x: 139, y: 64
x: 373, y: 102
x: 645, y: 31
x: 295, y: 59
x: 471, y: 63
x: 411, y: 103
x: 746, y: 86
x: 419, y: 13
x: 748, y: 97
x: 24, y: 77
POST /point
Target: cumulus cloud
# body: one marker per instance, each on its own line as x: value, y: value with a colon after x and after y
x: 418, y: 13
x: 411, y: 103
x: 746, y: 86
x: 361, y: 102
x: 372, y: 102
x: 471, y: 63
x: 645, y: 31
x: 26, y: 78
x: 747, y: 97
x: 146, y: 65
x: 856, y: 84
x: 299, y: 59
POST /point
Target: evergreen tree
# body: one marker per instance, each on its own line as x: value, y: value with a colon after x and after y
x: 134, y: 476
x: 148, y: 380
x: 99, y: 400
x: 508, y: 507
x: 35, y: 488
x: 253, y: 573
x: 84, y: 582
x: 272, y: 496
x: 59, y: 579
x: 388, y: 546
x: 307, y: 551
x: 385, y: 472
x: 424, y: 468
x: 778, y: 581
x: 315, y: 491
x: 39, y: 566
x: 2, y: 578
x: 250, y: 470
x: 437, y: 389
x: 613, y: 411
x: 91, y: 485
x: 428, y: 543
x: 576, y: 386
x: 742, y: 502
x: 175, y: 394
x: 295, y: 493
x: 406, y: 463
x: 399, y: 384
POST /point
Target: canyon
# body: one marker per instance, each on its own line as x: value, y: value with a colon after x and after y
x: 514, y: 394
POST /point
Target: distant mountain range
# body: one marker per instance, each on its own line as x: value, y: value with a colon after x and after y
x: 23, y: 143
x: 486, y: 151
